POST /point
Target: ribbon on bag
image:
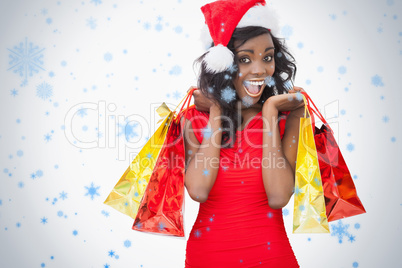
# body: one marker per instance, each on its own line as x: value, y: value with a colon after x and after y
x: 161, y: 209
x: 339, y: 190
x: 128, y: 191
x: 309, y: 215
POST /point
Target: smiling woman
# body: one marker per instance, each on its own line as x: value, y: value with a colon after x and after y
x: 242, y: 172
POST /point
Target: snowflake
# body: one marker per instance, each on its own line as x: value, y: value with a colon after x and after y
x: 48, y: 137
x: 161, y: 226
x: 385, y: 119
x: 228, y: 94
x: 341, y: 230
x: 147, y: 26
x: 75, y: 233
x: 176, y: 70
x: 207, y: 132
x: 288, y: 85
x: 43, y: 11
x: 96, y: 2
x: 91, y: 22
x: 14, y: 92
x: 177, y: 95
x: 128, y: 130
x: 158, y: 27
x: 377, y: 81
x: 111, y: 253
x: 197, y: 233
x: 287, y: 31
x: 298, y: 191
x: 43, y: 220
x: 127, y: 243
x: 105, y: 213
x: 92, y: 190
x: 26, y: 60
x: 106, y: 266
x: 350, y: 147
x: 285, y: 212
x: 63, y: 195
x: 21, y: 184
x: 270, y: 81
x: 247, y: 101
x: 205, y: 172
x: 44, y: 90
x: 299, y: 96
x: 82, y: 112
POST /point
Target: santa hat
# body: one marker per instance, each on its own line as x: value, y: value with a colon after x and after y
x: 222, y: 18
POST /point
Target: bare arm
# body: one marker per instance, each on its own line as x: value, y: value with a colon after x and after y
x: 202, y: 160
x: 279, y: 178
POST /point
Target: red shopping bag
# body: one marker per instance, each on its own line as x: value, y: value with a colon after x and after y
x: 160, y: 210
x: 341, y: 200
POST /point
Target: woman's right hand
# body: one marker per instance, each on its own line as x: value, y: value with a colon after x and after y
x: 201, y: 102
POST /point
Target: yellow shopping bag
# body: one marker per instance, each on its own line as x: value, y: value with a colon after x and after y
x: 129, y: 190
x: 309, y: 214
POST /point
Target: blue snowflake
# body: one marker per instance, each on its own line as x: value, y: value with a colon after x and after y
x: 21, y: 184
x: 342, y: 70
x: 43, y: 220
x: 178, y: 29
x: 298, y: 190
x: 14, y: 92
x: 357, y: 226
x: 197, y: 233
x: 176, y: 70
x: 350, y: 147
x: 332, y: 16
x: 128, y: 130
x: 39, y: 173
x: 75, y: 233
x: 205, y: 172
x: 177, y: 95
x: 285, y: 212
x: 127, y: 243
x: 63, y: 195
x: 44, y: 90
x: 385, y: 119
x: 161, y: 226
x: 341, y: 230
x: 82, y: 112
x: 91, y: 22
x: 228, y: 94
x: 377, y: 81
x: 270, y: 81
x: 111, y: 253
x: 92, y: 190
x: 247, y: 101
x: 108, y: 56
x: 96, y: 2
x: 105, y: 213
x: 147, y: 26
x: 48, y: 137
x: 355, y: 264
x: 26, y: 60
x: 287, y: 31
x: 158, y: 27
x: 207, y: 132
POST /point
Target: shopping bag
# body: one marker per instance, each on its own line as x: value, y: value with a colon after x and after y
x: 339, y: 190
x: 128, y: 191
x: 161, y: 209
x: 309, y: 214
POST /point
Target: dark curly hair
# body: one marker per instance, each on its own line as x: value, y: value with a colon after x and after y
x: 212, y: 85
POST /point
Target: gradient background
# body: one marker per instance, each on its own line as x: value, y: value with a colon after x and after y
x: 66, y: 138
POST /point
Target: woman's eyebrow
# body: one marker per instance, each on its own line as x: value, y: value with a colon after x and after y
x: 252, y: 51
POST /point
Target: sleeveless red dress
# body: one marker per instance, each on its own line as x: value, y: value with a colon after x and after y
x: 236, y: 227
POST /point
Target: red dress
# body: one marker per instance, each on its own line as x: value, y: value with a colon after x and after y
x: 236, y: 227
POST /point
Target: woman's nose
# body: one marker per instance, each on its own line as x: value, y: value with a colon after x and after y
x: 259, y: 69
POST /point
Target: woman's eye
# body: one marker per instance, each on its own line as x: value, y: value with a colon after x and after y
x: 244, y: 60
x: 268, y: 58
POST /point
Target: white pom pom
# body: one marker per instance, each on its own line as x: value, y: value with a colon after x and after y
x: 263, y: 16
x: 218, y: 59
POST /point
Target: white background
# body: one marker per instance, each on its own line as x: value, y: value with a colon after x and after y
x: 340, y: 46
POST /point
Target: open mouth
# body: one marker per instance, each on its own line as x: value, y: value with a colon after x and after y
x: 253, y: 88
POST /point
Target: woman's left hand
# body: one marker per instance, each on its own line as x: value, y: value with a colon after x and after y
x: 286, y: 102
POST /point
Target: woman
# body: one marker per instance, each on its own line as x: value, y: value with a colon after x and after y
x: 239, y: 163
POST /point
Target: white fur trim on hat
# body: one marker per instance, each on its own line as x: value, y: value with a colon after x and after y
x: 260, y: 15
x: 218, y: 59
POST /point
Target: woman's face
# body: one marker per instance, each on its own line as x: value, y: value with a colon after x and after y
x: 255, y: 60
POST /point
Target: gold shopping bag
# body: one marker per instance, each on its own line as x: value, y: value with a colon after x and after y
x: 309, y: 214
x: 129, y: 190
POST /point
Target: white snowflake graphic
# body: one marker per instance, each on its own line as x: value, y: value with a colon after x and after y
x: 228, y: 94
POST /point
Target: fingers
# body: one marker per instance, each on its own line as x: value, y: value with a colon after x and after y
x: 192, y: 87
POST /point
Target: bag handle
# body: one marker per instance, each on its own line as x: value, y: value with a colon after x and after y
x: 187, y: 99
x: 315, y: 111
